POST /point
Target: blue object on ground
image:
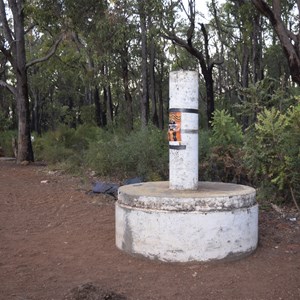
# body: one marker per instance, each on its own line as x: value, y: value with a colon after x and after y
x: 133, y: 180
x: 105, y: 188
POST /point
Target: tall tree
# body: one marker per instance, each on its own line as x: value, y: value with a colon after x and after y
x: 289, y: 39
x: 91, y: 34
x: 12, y: 45
x: 152, y: 56
x: 206, y: 62
x: 124, y: 33
x: 144, y: 50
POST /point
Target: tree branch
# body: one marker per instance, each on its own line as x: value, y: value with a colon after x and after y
x: 285, y: 36
x: 50, y: 53
x: 75, y: 38
x: 191, y: 30
x: 276, y: 8
x: 11, y: 88
x: 7, y: 53
x: 182, y: 43
x: 7, y: 32
x: 265, y: 10
x: 205, y: 35
x: 30, y: 28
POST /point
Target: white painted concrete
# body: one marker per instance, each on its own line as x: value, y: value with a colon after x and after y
x: 185, y: 220
x: 183, y: 165
x: 215, y: 222
x: 210, y: 196
x: 186, y: 236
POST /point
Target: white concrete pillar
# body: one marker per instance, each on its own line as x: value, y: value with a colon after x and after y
x: 183, y: 130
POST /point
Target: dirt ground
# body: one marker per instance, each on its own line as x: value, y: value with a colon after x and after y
x: 57, y: 242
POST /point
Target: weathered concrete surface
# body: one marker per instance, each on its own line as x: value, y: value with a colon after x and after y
x: 210, y: 196
x: 217, y: 221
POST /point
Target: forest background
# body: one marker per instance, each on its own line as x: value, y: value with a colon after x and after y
x: 84, y: 86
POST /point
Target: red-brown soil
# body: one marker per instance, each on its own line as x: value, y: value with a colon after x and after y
x: 57, y: 242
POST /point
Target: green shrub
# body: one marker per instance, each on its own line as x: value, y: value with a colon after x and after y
x: 140, y: 153
x: 65, y: 146
x: 265, y: 93
x: 87, y: 115
x: 223, y: 160
x: 100, y: 154
x: 6, y: 142
x: 225, y: 130
x: 273, y: 151
x: 5, y: 123
x: 204, y: 154
x: 204, y: 144
x: 50, y: 148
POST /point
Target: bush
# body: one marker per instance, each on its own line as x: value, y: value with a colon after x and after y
x: 204, y: 144
x: 6, y: 142
x: 140, y: 153
x: 65, y: 146
x: 223, y: 160
x: 204, y: 154
x: 5, y: 123
x: 273, y: 151
x: 225, y: 130
x: 51, y: 147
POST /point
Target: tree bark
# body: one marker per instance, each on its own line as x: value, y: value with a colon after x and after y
x: 145, y: 92
x: 35, y: 119
x: 289, y: 41
x: 154, y: 115
x: 245, y: 78
x: 257, y: 49
x: 98, y: 107
x: 109, y: 106
x: 12, y: 47
x: 128, y: 97
x: 25, y: 152
x: 203, y: 56
x: 107, y: 97
x: 160, y: 98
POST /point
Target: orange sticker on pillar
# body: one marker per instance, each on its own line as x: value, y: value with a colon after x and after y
x: 174, y: 131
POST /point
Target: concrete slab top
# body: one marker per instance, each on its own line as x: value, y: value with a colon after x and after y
x: 210, y: 196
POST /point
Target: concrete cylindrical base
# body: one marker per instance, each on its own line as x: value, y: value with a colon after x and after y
x: 217, y: 221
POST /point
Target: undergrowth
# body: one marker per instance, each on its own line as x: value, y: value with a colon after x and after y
x: 6, y: 138
x: 266, y: 156
x: 141, y: 153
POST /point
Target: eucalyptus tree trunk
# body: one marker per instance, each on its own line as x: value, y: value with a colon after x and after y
x: 207, y: 71
x: 245, y: 78
x: 220, y: 52
x: 128, y: 97
x: 257, y: 49
x: 12, y: 46
x: 245, y: 65
x: 160, y: 97
x: 290, y: 41
x: 109, y: 105
x: 145, y: 92
x: 98, y: 108
x: 154, y: 115
x: 203, y: 55
x: 107, y: 97
x: 36, y: 116
x: 25, y: 152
